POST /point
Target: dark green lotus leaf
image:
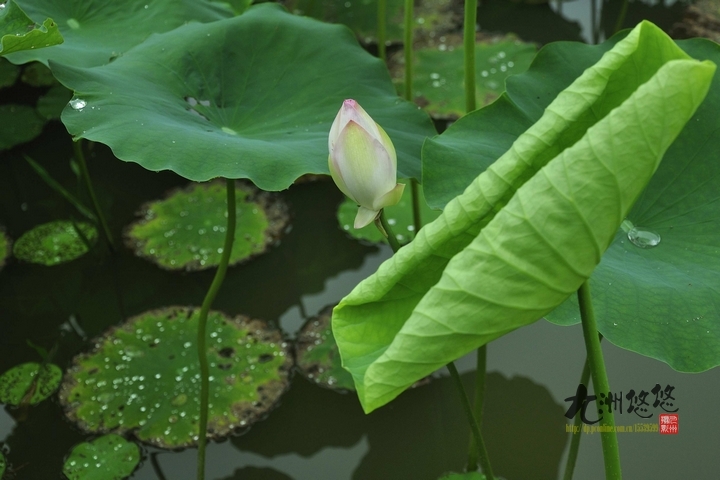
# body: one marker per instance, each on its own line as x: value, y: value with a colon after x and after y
x: 37, y: 74
x: 97, y: 31
x: 192, y: 102
x: 660, y: 301
x: 400, y: 218
x: 186, y: 230
x: 5, y: 247
x: 317, y: 354
x: 51, y: 104
x: 109, y: 457
x: 143, y: 377
x: 8, y: 73
x: 360, y: 15
x: 18, y: 32
x: 55, y: 242
x: 18, y: 124
x: 439, y: 74
x: 29, y: 383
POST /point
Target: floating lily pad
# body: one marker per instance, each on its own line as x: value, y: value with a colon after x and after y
x: 97, y: 31
x: 400, y: 218
x: 317, y: 354
x: 29, y: 383
x: 109, y: 457
x: 18, y: 32
x: 192, y: 102
x: 8, y: 73
x: 439, y: 73
x: 18, y: 124
x: 143, y: 377
x: 37, y: 74
x: 5, y: 247
x: 186, y: 231
x: 55, y: 242
x: 51, y: 105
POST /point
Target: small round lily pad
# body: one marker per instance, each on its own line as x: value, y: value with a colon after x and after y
x: 186, y: 230
x: 317, y: 355
x: 109, y: 457
x: 400, y: 218
x: 29, y: 383
x: 5, y: 247
x: 55, y: 242
x: 143, y: 377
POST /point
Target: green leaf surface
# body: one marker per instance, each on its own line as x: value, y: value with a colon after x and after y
x: 531, y: 228
x: 29, y: 383
x: 54, y: 243
x: 438, y: 75
x: 399, y: 216
x: 659, y: 302
x: 186, y: 230
x: 37, y: 74
x: 18, y: 32
x: 317, y: 354
x: 18, y: 124
x: 109, y: 457
x: 98, y: 31
x: 50, y: 105
x: 143, y: 377
x: 186, y: 96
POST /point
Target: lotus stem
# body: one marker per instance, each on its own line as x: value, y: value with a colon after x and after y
x: 608, y: 437
x: 474, y: 426
x: 471, y: 7
x: 481, y: 367
x: 408, y: 49
x: 384, y: 227
x: 621, y: 17
x: 577, y: 424
x: 202, y: 326
x: 382, y: 28
x: 77, y: 147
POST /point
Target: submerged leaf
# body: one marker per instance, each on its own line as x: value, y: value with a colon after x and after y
x: 109, y: 457
x: 55, y: 242
x: 529, y: 230
x: 143, y: 377
x: 190, y: 95
x: 29, y: 383
x: 186, y: 230
x: 18, y: 32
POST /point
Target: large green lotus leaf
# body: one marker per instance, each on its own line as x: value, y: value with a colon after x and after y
x: 109, y: 457
x: 143, y: 377
x: 29, y: 383
x: 18, y: 32
x: 186, y: 230
x: 399, y: 216
x: 55, y: 242
x: 660, y: 302
x: 438, y: 74
x: 194, y: 102
x: 531, y: 228
x: 97, y: 31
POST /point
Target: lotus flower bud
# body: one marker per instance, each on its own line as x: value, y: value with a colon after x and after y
x: 362, y: 162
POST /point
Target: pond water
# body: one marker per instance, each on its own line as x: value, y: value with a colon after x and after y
x: 316, y: 433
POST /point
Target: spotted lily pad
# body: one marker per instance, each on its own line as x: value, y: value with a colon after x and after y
x: 18, y: 32
x: 29, y: 383
x: 439, y: 73
x: 109, y: 457
x: 55, y: 242
x: 187, y: 229
x: 5, y: 247
x: 97, y: 31
x: 317, y: 354
x: 399, y: 216
x: 192, y: 102
x: 18, y: 124
x: 143, y: 377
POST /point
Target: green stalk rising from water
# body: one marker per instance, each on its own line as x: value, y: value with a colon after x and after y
x: 202, y: 326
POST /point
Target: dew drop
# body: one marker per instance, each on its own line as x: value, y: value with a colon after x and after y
x: 643, y: 238
x: 78, y: 103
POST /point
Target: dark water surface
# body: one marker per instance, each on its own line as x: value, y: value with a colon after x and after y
x: 316, y: 433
